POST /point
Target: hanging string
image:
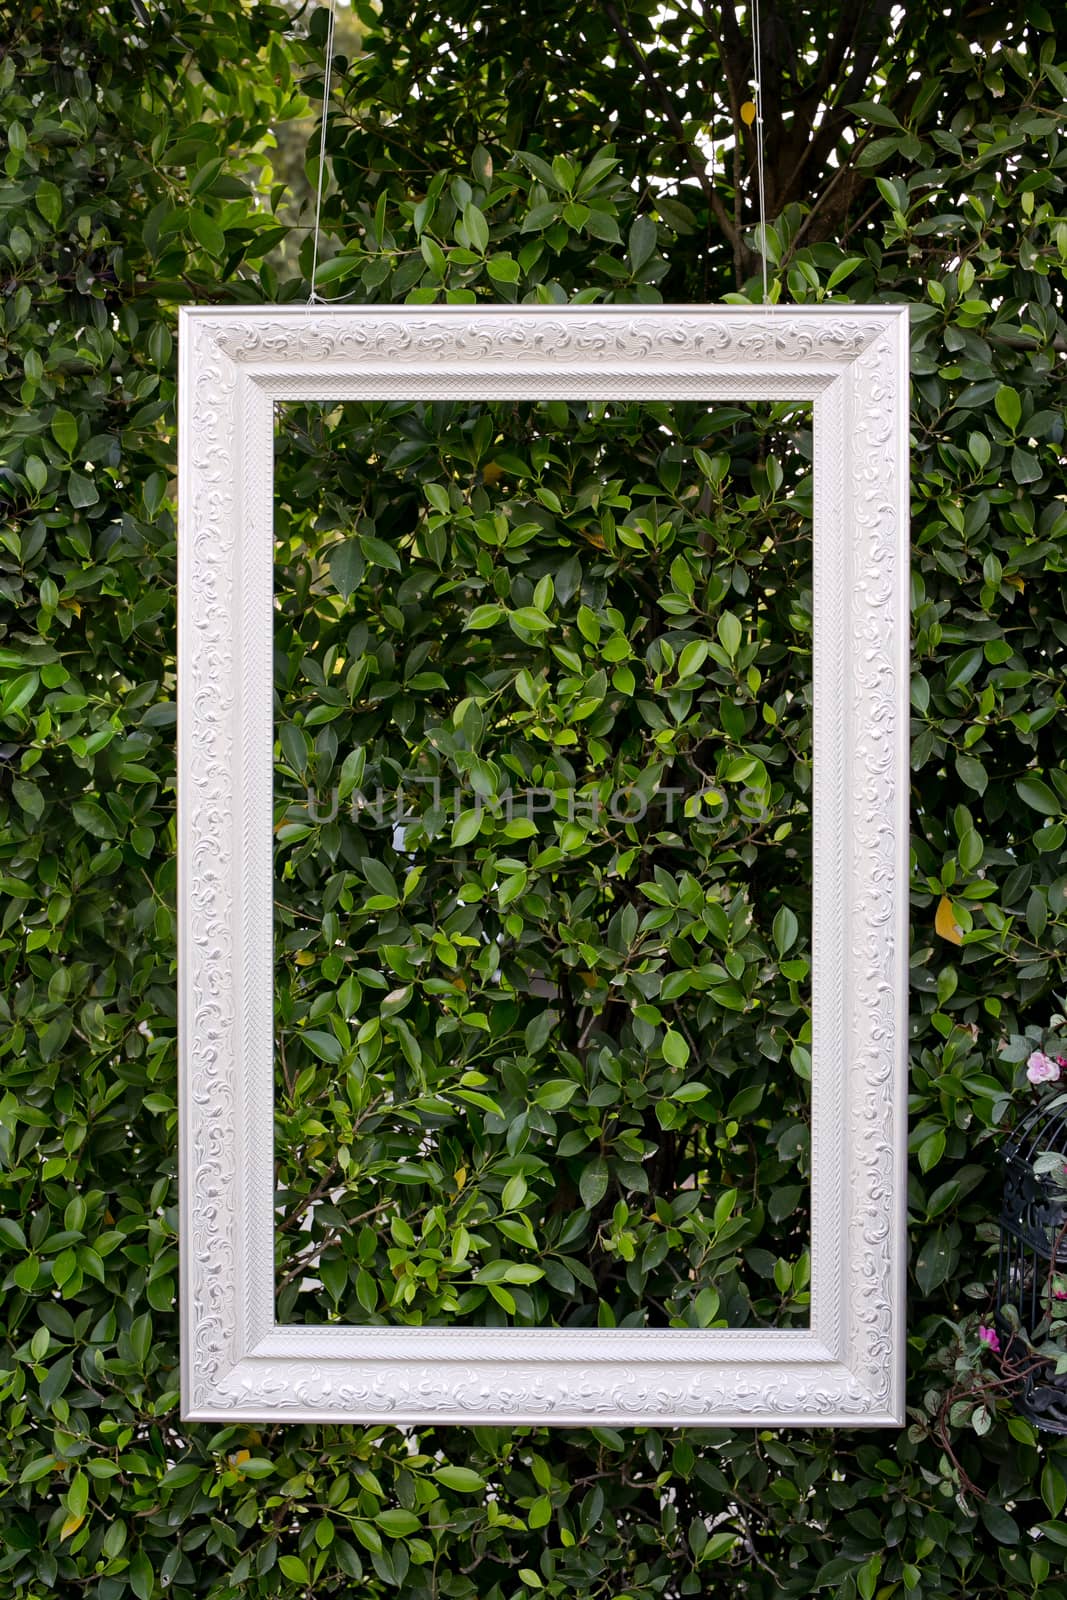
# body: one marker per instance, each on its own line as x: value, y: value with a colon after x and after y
x: 313, y: 296
x: 756, y: 115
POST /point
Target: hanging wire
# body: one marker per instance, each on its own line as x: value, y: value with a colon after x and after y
x: 757, y: 65
x: 313, y: 296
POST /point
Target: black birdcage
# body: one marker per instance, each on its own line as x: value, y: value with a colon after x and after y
x: 1032, y: 1269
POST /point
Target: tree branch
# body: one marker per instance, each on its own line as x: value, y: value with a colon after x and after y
x: 696, y: 161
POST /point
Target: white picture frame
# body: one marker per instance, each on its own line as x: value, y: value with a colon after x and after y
x: 847, y: 1368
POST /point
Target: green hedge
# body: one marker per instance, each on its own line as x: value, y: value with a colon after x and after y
x: 543, y: 862
x: 519, y: 623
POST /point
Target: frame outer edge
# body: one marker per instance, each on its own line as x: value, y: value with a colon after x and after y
x: 184, y: 598
x: 207, y: 534
x: 223, y: 1191
x: 899, y: 1282
x: 877, y: 775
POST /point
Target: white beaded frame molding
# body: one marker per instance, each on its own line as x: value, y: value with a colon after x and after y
x: 847, y: 1367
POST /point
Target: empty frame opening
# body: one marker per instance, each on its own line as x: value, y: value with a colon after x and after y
x: 542, y: 806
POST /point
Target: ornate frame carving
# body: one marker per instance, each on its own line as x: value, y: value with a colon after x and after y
x: 847, y: 1367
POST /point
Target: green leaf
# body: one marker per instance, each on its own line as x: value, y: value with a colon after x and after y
x: 882, y: 116
x: 503, y: 269
x: 467, y: 826
x: 1009, y: 406
x: 433, y: 256
x: 94, y: 819
x: 347, y: 566
x: 785, y: 930
x: 602, y: 226
x: 26, y: 1273
x: 1038, y: 795
x: 540, y: 217
x: 485, y: 616
x: 65, y: 431
x: 675, y: 1049
x: 556, y: 1093
x: 463, y: 1479
x: 971, y: 771
x: 595, y: 172
x: 292, y: 1567
x: 397, y: 1523
x: 142, y: 1577
x: 935, y: 1261
x: 18, y: 693
x: 511, y: 888
x: 482, y: 164
x: 538, y: 1032
x: 540, y: 1513
x: 843, y: 270
x: 477, y: 228
x: 141, y: 1336
x: 689, y: 1093
x: 970, y: 850
x: 11, y: 1233
x: 729, y: 630
x: 206, y: 231
x: 337, y: 269
x: 351, y: 774
x: 323, y: 1045
x: 1053, y: 1487
x: 78, y: 1495
x: 523, y: 1272
x: 692, y: 657
x: 378, y: 552
x: 531, y: 618
x: 1000, y: 1523
x: 81, y: 491
x: 379, y: 877
x: 642, y: 242
x: 593, y: 1183
x: 49, y: 202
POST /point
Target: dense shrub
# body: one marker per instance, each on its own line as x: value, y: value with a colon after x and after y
x: 461, y: 589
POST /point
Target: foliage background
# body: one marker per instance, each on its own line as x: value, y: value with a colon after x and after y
x: 539, y: 1063
x: 918, y: 158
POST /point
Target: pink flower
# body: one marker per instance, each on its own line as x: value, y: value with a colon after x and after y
x: 1041, y: 1068
x: 989, y: 1336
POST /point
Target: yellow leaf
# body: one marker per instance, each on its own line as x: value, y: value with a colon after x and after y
x: 491, y: 473
x: 460, y: 1176
x: 304, y: 958
x: 238, y: 1457
x: 71, y: 1525
x: 1015, y: 581
x: 945, y: 921
x: 748, y: 113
